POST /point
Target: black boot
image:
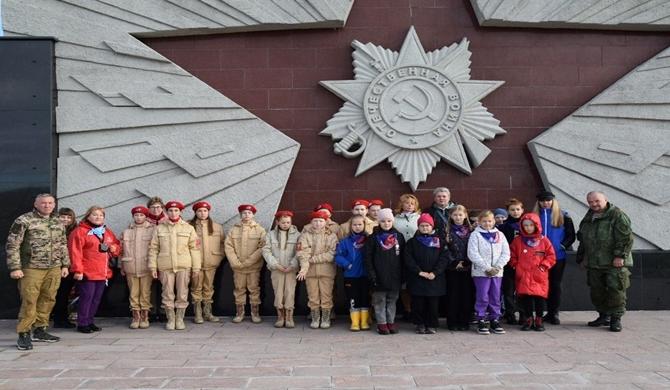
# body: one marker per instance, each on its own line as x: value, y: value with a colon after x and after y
x: 615, y: 324
x: 602, y: 320
x: 552, y: 318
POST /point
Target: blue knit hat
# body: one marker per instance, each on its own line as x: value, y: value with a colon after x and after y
x: 500, y: 211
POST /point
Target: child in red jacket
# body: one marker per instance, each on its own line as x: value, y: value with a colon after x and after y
x: 532, y: 255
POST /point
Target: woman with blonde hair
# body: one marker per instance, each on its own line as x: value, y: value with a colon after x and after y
x: 557, y: 226
x: 406, y: 221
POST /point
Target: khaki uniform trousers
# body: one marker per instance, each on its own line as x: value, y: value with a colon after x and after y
x: 140, y: 291
x: 320, y: 292
x: 283, y: 284
x: 608, y: 289
x: 202, y: 288
x: 37, y: 289
x: 172, y: 281
x: 247, y: 282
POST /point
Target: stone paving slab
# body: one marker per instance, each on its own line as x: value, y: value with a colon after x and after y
x: 230, y: 356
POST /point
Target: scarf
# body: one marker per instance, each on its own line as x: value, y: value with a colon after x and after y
x: 531, y: 241
x: 174, y: 220
x: 155, y: 218
x: 461, y: 231
x: 491, y: 237
x: 429, y: 241
x: 97, y: 231
x: 359, y: 240
x: 387, y: 240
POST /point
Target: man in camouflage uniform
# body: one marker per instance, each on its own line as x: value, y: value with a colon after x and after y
x: 37, y: 257
x: 605, y: 244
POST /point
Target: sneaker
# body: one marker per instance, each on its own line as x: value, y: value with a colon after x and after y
x: 419, y: 329
x: 383, y: 329
x: 602, y: 320
x: 24, y: 343
x: 393, y: 328
x: 95, y: 328
x: 40, y: 334
x: 483, y: 327
x: 84, y: 329
x: 431, y: 330
x: 496, y: 327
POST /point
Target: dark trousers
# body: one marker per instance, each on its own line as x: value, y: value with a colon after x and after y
x: 460, y: 298
x: 63, y: 299
x: 90, y: 294
x: 531, y: 303
x: 358, y: 292
x: 508, y: 291
x: 425, y: 310
x: 555, y: 278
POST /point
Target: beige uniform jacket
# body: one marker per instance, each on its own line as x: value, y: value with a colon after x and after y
x: 345, y: 230
x: 175, y: 247
x: 211, y: 246
x: 243, y: 247
x: 135, y: 249
x: 280, y: 249
x: 316, y: 253
x: 331, y: 226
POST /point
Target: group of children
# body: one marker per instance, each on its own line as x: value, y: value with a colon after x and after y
x: 381, y: 254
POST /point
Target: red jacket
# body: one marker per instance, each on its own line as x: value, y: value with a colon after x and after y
x: 527, y: 260
x: 84, y: 253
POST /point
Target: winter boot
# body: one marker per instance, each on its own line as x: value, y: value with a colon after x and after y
x: 602, y: 320
x: 615, y: 324
x: 207, y: 313
x: 528, y: 324
x: 255, y: 314
x: 365, y: 319
x: 383, y: 329
x: 316, y: 319
x: 281, y: 319
x: 24, y: 343
x: 239, y: 314
x: 144, y: 319
x: 325, y: 319
x: 289, y: 319
x: 355, y: 316
x: 179, y: 320
x: 197, y: 313
x: 170, y: 324
x: 539, y: 327
x: 135, y: 322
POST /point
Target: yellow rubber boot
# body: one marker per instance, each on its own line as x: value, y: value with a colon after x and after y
x: 355, y: 320
x: 365, y: 319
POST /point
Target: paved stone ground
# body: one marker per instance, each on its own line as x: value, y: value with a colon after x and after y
x: 570, y: 356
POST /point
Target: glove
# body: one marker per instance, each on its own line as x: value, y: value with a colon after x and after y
x: 492, y: 272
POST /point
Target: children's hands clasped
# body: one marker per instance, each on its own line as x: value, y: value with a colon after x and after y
x: 427, y: 275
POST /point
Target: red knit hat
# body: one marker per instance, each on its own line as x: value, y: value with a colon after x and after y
x: 200, y: 205
x: 425, y: 218
x: 376, y: 202
x: 249, y: 207
x: 173, y: 204
x: 360, y: 202
x: 139, y: 209
x: 318, y: 214
x: 283, y: 213
x: 322, y: 206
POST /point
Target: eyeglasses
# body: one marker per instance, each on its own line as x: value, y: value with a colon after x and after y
x: 155, y: 207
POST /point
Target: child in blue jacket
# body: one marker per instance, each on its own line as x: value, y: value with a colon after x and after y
x: 349, y: 256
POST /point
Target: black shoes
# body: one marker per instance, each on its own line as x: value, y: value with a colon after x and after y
x: 496, y: 327
x: 483, y: 327
x: 84, y: 329
x: 602, y: 320
x: 528, y: 324
x: 64, y: 325
x: 24, y: 343
x: 615, y: 324
x: 510, y: 319
x: 95, y: 328
x: 41, y: 335
x: 552, y: 318
x: 419, y: 329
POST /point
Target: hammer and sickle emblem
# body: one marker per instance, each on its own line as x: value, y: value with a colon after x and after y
x: 422, y: 111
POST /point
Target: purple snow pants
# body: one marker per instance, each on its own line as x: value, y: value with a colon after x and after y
x: 487, y: 299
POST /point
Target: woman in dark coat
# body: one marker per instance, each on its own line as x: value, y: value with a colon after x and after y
x: 460, y: 288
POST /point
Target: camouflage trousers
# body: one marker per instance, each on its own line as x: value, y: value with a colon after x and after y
x: 37, y: 289
x: 608, y: 289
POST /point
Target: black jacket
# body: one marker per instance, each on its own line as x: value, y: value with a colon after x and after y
x: 420, y: 258
x: 440, y: 217
x: 384, y: 266
x: 510, y: 229
x: 458, y: 251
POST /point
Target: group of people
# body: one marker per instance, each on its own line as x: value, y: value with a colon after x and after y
x: 503, y: 262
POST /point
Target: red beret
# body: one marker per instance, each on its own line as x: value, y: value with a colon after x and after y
x: 322, y: 206
x: 283, y: 213
x: 139, y: 209
x: 425, y: 218
x: 376, y: 202
x: 200, y: 205
x: 249, y: 207
x: 318, y: 214
x: 173, y: 204
x: 360, y: 202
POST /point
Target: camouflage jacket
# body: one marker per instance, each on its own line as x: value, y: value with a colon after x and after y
x: 36, y: 242
x: 604, y: 238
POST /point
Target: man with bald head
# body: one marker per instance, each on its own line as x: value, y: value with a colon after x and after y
x: 605, y: 245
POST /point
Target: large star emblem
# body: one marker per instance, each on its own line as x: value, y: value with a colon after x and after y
x: 412, y: 108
